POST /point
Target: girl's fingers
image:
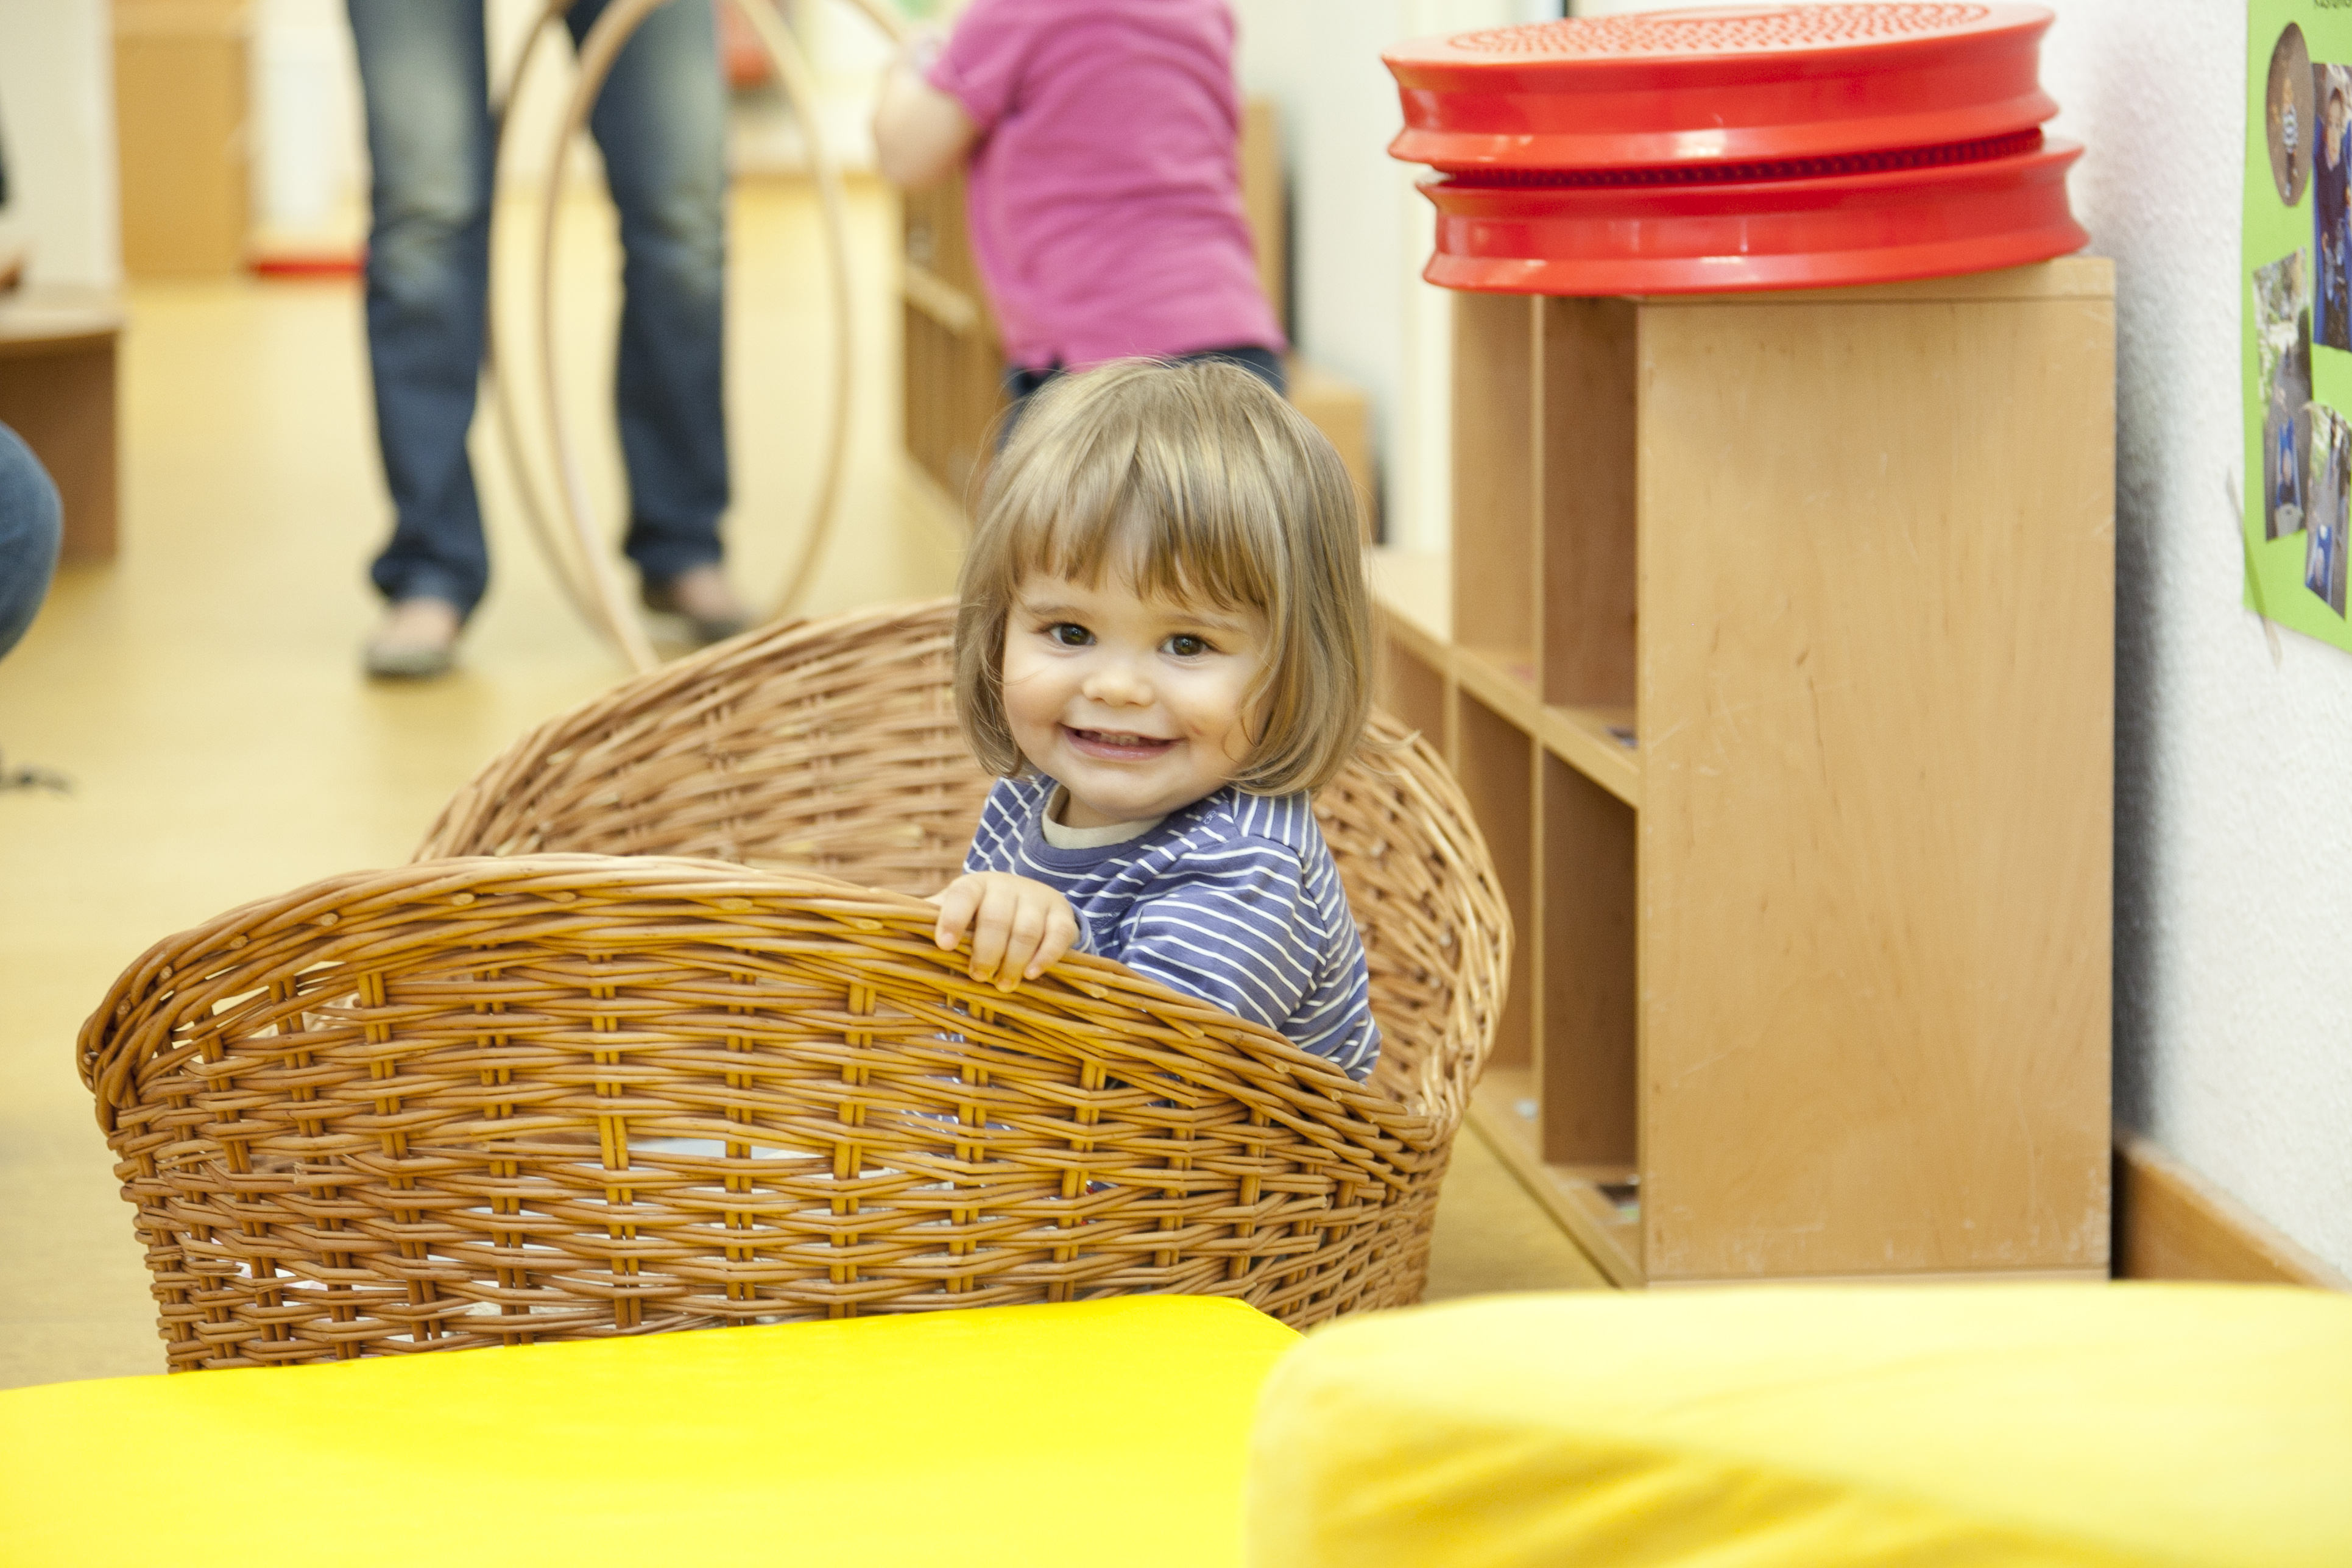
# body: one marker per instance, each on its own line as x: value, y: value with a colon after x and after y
x: 1028, y: 931
x: 1017, y: 927
x: 956, y: 901
x: 1061, y: 930
x: 990, y: 928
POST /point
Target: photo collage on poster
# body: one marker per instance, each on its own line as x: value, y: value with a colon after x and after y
x: 2302, y: 301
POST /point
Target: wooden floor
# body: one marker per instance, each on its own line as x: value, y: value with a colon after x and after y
x: 202, y: 696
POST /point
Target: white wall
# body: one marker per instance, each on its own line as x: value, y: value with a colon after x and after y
x: 309, y: 175
x: 1360, y: 233
x: 2233, y: 836
x: 57, y: 116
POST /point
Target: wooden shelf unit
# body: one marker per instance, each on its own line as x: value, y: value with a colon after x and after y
x: 1776, y: 654
x: 952, y: 366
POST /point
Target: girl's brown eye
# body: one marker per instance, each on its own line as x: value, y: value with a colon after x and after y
x: 1187, y: 646
x: 1070, y: 635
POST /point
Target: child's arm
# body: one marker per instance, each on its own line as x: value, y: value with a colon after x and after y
x: 921, y: 134
x: 1239, y: 931
x: 1018, y: 927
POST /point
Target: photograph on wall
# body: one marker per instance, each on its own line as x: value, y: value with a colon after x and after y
x: 2329, y: 486
x: 2286, y: 113
x: 2331, y: 229
x: 2282, y: 312
x: 2296, y: 341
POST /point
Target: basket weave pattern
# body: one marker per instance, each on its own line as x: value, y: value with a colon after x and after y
x: 547, y: 1094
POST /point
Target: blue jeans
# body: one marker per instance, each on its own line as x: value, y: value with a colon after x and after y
x: 661, y: 125
x: 30, y: 522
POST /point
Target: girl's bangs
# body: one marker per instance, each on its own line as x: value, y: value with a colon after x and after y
x: 1173, y: 540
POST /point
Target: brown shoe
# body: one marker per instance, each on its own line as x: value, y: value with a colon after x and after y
x: 702, y: 596
x: 417, y: 640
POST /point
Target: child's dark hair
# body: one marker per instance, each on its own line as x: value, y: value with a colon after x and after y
x: 1191, y: 480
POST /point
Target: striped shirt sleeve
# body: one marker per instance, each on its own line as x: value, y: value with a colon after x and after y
x: 1234, y: 927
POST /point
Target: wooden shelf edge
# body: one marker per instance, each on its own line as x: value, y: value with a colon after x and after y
x: 1580, y: 738
x: 1955, y: 1276
x: 1414, y: 591
x: 932, y: 505
x: 1574, y: 1202
x: 1577, y: 736
x: 942, y: 301
x: 2067, y: 278
x: 1484, y: 677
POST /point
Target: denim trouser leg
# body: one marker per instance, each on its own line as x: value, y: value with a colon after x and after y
x: 661, y: 125
x: 422, y: 67
x: 30, y: 525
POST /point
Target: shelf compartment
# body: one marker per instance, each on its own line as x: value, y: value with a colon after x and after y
x: 1495, y: 761
x: 1586, y: 1070
x: 1497, y: 578
x: 1587, y: 457
x: 1411, y: 686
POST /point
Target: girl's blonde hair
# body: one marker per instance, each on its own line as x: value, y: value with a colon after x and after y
x: 1190, y: 481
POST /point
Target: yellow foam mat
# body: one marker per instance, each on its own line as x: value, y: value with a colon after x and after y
x: 2042, y: 1425
x: 1102, y: 1432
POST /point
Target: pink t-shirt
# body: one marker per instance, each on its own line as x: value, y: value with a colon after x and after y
x: 1106, y: 188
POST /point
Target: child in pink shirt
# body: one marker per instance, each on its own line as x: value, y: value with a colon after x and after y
x: 1104, y: 188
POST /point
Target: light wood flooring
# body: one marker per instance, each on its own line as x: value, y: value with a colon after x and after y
x: 203, y: 694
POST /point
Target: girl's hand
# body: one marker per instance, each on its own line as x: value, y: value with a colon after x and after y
x: 1018, y: 927
x: 921, y: 134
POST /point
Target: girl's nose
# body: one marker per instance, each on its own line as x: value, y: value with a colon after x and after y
x: 1118, y: 684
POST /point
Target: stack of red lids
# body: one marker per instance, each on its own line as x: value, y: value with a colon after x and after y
x: 1750, y: 147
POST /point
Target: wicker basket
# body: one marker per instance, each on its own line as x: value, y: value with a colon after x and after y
x: 534, y: 1093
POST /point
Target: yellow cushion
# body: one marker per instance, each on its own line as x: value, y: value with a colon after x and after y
x: 1109, y: 1431
x: 1962, y: 1425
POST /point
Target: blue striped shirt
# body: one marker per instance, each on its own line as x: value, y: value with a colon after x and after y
x: 1234, y: 898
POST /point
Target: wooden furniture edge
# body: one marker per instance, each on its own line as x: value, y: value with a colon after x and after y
x: 14, y: 348
x: 1580, y: 738
x: 2173, y: 1224
x: 1982, y: 1277
x: 2170, y: 1223
x: 226, y: 20
x: 942, y: 301
x: 2068, y: 277
x: 47, y: 319
x: 1577, y: 736
x: 1571, y: 1202
x: 937, y: 510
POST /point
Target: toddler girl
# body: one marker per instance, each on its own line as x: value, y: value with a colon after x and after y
x: 1161, y: 647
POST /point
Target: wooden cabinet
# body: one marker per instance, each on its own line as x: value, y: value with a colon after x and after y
x: 952, y: 364
x: 1776, y: 651
x: 57, y: 392
x: 180, y: 112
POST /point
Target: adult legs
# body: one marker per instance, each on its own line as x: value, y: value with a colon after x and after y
x: 426, y: 80
x: 661, y: 124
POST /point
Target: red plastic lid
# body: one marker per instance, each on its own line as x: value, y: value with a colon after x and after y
x: 1884, y: 219
x: 1739, y: 83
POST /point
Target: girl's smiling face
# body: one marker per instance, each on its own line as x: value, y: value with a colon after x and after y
x: 1137, y: 706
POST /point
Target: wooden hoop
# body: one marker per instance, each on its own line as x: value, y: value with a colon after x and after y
x: 577, y: 558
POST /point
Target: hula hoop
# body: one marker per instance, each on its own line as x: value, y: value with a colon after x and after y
x: 584, y: 570
x: 555, y: 546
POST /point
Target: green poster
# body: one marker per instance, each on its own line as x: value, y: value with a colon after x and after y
x: 2298, y: 313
